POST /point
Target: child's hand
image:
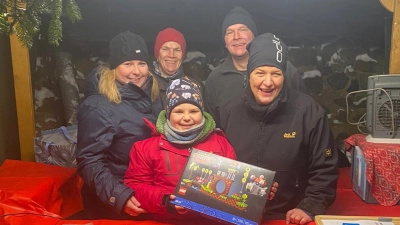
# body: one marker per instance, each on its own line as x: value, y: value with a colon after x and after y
x: 179, y: 209
x: 132, y: 207
x: 274, y: 189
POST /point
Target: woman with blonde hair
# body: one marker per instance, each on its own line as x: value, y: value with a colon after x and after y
x: 110, y: 120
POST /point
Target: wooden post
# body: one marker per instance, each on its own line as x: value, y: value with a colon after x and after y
x: 23, y: 98
x: 394, y: 6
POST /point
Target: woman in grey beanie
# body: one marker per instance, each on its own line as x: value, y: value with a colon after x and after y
x: 284, y: 130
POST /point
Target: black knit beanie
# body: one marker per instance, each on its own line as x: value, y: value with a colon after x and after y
x: 267, y: 50
x: 238, y: 15
x: 127, y: 46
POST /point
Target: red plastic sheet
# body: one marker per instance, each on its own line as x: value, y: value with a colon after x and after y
x: 29, y: 190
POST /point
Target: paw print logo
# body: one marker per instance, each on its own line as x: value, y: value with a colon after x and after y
x: 328, y: 152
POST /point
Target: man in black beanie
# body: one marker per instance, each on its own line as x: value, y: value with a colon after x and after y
x: 227, y: 81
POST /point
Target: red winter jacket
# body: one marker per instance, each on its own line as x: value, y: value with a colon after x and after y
x: 156, y: 165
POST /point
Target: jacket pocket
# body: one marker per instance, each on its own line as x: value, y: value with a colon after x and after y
x: 291, y: 185
x: 172, y: 166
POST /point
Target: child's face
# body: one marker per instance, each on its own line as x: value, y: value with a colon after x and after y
x: 185, y: 116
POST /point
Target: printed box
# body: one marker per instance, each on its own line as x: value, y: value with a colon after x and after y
x: 223, y: 188
x: 358, y: 176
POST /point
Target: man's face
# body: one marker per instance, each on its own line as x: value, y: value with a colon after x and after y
x: 237, y: 36
x: 170, y: 58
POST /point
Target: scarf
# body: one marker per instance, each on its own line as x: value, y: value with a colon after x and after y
x: 187, y: 137
x: 176, y: 75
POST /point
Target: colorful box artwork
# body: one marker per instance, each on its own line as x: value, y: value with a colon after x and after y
x: 224, y: 189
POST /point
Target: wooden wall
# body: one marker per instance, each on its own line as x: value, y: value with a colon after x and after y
x: 9, y: 139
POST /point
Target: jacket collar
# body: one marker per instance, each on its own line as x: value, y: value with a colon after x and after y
x: 132, y: 92
x: 162, y: 81
x: 227, y: 67
x: 158, y: 129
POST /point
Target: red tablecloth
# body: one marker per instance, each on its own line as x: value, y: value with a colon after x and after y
x: 347, y: 203
x: 382, y: 168
x: 114, y: 222
x: 29, y: 188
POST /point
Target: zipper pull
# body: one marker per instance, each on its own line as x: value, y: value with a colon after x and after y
x: 297, y: 181
x: 190, y: 149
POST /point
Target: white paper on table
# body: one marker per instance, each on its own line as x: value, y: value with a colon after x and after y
x: 355, y: 222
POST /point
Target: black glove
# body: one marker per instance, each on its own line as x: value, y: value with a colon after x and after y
x: 167, y: 203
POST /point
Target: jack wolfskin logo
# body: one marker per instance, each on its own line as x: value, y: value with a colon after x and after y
x: 328, y: 152
x: 290, y: 135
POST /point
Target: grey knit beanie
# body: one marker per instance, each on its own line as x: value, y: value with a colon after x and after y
x: 238, y: 15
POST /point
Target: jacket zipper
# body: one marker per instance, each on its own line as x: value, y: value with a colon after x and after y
x: 260, y: 140
x: 168, y: 160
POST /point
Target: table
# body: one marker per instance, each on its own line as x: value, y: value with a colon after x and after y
x: 347, y: 203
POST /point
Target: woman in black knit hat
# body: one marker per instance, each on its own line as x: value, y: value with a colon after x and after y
x: 118, y: 96
x: 284, y: 130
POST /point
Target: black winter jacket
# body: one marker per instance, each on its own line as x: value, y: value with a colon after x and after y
x: 225, y: 83
x: 106, y: 133
x: 293, y: 139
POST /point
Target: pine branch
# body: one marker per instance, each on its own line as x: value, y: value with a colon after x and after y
x: 73, y: 11
x: 55, y: 27
x: 22, y: 17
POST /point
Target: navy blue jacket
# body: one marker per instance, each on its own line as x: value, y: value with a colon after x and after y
x: 106, y: 132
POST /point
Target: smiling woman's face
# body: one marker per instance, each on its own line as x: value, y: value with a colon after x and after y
x: 135, y: 71
x: 266, y: 83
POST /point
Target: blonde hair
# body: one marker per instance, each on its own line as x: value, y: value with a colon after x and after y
x: 155, y: 90
x: 108, y: 88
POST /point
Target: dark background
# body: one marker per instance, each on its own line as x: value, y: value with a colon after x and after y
x: 295, y: 21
